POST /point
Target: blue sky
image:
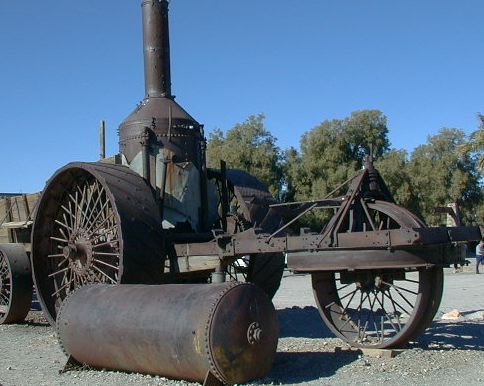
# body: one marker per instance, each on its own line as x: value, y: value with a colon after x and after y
x: 64, y: 65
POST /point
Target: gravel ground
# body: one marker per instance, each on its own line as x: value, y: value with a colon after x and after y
x: 449, y: 352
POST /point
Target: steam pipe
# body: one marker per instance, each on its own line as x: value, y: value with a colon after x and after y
x: 156, y: 46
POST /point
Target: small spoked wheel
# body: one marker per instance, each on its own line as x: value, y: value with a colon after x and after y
x: 371, y: 308
x: 15, y: 283
x: 95, y: 223
x: 381, y: 308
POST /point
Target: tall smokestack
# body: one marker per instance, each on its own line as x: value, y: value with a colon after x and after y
x: 159, y: 138
x: 156, y: 45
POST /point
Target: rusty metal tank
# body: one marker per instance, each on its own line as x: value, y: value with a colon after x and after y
x: 159, y: 139
x: 179, y: 331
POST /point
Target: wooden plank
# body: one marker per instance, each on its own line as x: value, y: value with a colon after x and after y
x: 380, y: 353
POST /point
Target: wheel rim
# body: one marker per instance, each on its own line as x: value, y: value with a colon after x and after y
x: 89, y: 230
x: 378, y: 308
x: 5, y: 287
x: 15, y: 283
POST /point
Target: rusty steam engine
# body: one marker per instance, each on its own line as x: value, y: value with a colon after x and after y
x: 155, y: 214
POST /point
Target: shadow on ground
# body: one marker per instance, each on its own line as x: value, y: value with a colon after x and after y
x: 462, y: 335
x: 297, y: 322
x: 300, y: 367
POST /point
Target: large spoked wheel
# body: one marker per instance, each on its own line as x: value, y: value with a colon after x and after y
x: 379, y: 308
x: 95, y: 223
x: 15, y: 283
x: 250, y: 201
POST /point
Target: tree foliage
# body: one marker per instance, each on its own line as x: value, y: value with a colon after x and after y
x: 333, y: 151
x: 393, y: 167
x: 475, y: 145
x: 248, y: 146
x: 440, y: 175
x: 441, y: 171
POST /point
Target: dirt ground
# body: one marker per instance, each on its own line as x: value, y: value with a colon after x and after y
x: 450, y: 352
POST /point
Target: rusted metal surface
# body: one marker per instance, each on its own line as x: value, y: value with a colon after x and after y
x: 176, y: 331
x: 159, y: 138
x: 378, y: 308
x: 95, y: 223
x: 164, y: 218
x: 15, y: 283
x: 156, y: 47
x: 379, y: 305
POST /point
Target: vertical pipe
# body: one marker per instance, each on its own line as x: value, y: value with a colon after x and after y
x: 162, y: 190
x: 145, y: 155
x: 156, y: 46
x: 102, y: 140
x: 203, y: 181
x: 225, y: 195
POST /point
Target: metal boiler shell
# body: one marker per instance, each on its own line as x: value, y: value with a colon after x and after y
x: 176, y: 330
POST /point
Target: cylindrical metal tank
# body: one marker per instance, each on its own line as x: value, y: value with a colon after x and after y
x: 179, y: 331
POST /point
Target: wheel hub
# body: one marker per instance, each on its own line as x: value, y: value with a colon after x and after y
x: 79, y: 253
x: 375, y: 284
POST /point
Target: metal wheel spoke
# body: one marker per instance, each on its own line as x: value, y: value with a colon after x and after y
x: 5, y: 297
x: 107, y: 230
x: 56, y: 255
x: 63, y: 234
x: 105, y: 254
x: 63, y: 225
x: 93, y: 210
x: 69, y: 212
x: 372, y: 305
x: 110, y: 243
x: 352, y: 296
x: 345, y: 286
x: 56, y: 293
x: 57, y: 272
x: 400, y: 288
x: 412, y: 281
x: 59, y: 239
x: 93, y: 222
x: 91, y: 205
x: 104, y: 274
x: 403, y: 297
x: 394, y: 302
x: 348, y: 294
x: 388, y: 316
x: 106, y: 264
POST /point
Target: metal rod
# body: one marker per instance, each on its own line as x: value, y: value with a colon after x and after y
x: 291, y: 222
x: 102, y: 139
x: 162, y: 189
x: 314, y: 205
x: 322, y: 199
x: 225, y: 195
x: 145, y: 155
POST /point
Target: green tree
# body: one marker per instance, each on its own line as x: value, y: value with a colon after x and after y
x: 474, y: 146
x: 331, y: 153
x: 393, y: 167
x: 440, y: 175
x: 248, y: 146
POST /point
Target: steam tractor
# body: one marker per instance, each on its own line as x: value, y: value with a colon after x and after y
x: 155, y: 214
